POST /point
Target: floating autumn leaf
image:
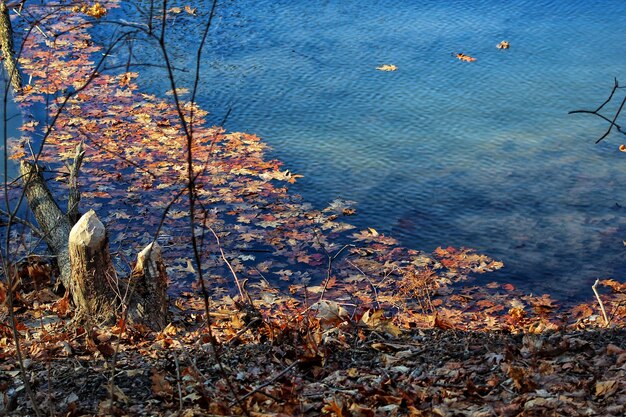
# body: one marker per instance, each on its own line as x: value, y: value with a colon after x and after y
x: 339, y: 205
x: 177, y: 214
x: 179, y: 91
x: 616, y: 286
x: 191, y: 10
x: 465, y: 58
x: 387, y: 67
x: 622, y: 148
x: 503, y: 45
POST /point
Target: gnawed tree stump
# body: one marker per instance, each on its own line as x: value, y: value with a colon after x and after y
x: 149, y: 282
x: 83, y: 256
x: 93, y: 285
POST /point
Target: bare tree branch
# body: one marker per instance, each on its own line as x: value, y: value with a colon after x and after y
x: 611, y: 122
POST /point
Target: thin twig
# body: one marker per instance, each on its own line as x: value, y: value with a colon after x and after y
x: 244, y: 295
x: 37, y: 231
x: 242, y: 331
x: 329, y: 268
x: 369, y: 281
x: 270, y: 382
x: 596, y: 112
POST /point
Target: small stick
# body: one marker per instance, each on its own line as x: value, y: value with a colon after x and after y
x: 329, y: 269
x: 244, y: 295
x: 370, y: 282
x: 270, y: 382
x: 595, y: 291
x: 26, y: 223
x: 242, y: 331
x: 180, y: 391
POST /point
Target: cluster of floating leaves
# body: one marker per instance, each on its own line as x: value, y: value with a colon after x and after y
x: 93, y: 10
x: 460, y: 56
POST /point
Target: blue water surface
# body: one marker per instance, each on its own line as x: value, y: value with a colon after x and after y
x: 440, y: 152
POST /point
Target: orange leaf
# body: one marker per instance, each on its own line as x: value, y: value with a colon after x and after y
x: 465, y: 58
x: 334, y: 407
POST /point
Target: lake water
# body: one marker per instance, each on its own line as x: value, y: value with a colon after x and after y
x: 11, y: 119
x: 440, y: 152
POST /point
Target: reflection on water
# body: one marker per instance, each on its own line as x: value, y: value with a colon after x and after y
x: 440, y: 152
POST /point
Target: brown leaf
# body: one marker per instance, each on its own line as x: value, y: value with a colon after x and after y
x: 606, y: 388
x: 160, y: 387
x: 612, y: 349
x: 330, y: 311
x: 62, y: 306
x: 378, y: 322
x: 522, y: 379
x: 3, y: 293
x: 614, y: 285
x: 582, y: 311
x: 106, y: 349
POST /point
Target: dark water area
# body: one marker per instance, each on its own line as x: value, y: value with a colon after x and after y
x: 440, y: 152
x: 10, y: 122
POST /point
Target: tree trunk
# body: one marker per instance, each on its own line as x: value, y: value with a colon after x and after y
x: 8, y: 52
x: 52, y: 221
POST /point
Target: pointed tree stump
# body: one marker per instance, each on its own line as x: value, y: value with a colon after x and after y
x: 149, y: 282
x: 94, y: 285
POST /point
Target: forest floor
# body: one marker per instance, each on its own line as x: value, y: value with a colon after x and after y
x: 344, y: 323
x: 302, y: 364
